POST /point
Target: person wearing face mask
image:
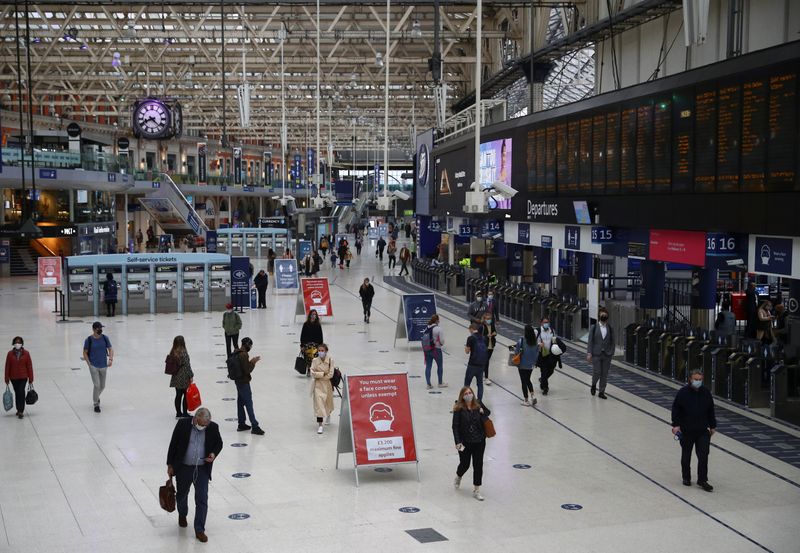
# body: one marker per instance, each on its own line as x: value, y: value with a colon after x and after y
x: 231, y: 325
x: 19, y: 372
x: 477, y: 349
x: 244, y: 394
x: 694, y: 422
x: 599, y: 351
x: 477, y: 309
x: 547, y: 361
x: 470, y: 438
x: 99, y: 355
x: 367, y: 292
x: 491, y: 306
x: 195, y: 445
x: 489, y: 331
x: 322, y: 391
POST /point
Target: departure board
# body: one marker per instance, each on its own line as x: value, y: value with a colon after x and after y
x: 682, y: 140
x: 550, y: 168
x: 627, y: 154
x: 599, y: 154
x: 573, y: 136
x: 644, y: 148
x: 754, y: 135
x: 662, y: 139
x: 530, y: 159
x: 612, y: 152
x: 585, y: 156
x: 782, y: 147
x: 705, y: 140
x: 541, y: 160
x: 561, y: 158
x: 729, y: 116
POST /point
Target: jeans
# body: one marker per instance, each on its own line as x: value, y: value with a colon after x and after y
x: 19, y: 393
x: 486, y: 368
x: 403, y: 267
x: 432, y: 355
x: 701, y: 442
x: 475, y: 453
x: 392, y: 261
x: 601, y: 363
x: 231, y: 342
x: 525, y: 380
x: 244, y: 401
x: 262, y: 297
x: 99, y: 381
x: 180, y: 402
x: 367, y: 305
x: 111, y: 308
x: 186, y: 475
x: 475, y: 371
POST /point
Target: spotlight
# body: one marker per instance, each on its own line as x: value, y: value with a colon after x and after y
x: 416, y: 29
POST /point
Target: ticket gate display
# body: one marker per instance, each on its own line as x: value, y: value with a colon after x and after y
x: 138, y: 288
x: 193, y: 289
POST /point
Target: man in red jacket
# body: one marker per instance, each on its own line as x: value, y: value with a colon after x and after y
x: 19, y: 371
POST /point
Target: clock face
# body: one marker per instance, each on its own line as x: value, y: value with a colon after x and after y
x: 152, y: 118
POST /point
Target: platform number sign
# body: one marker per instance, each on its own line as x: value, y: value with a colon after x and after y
x: 602, y: 235
x: 721, y: 244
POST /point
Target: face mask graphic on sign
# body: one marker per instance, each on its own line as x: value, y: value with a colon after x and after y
x: 381, y: 417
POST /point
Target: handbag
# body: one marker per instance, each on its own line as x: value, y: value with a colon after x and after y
x: 8, y: 399
x: 488, y: 428
x: 171, y: 365
x: 31, y: 397
x: 193, y: 400
x: 300, y: 364
x: 516, y: 358
x: 166, y: 496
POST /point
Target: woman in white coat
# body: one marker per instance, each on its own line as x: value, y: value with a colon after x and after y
x: 322, y: 392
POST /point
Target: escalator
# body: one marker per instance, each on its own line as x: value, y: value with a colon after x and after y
x: 171, y: 210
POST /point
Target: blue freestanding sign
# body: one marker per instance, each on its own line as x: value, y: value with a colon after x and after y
x: 303, y: 249
x: 286, y: 274
x: 240, y: 281
x: 211, y: 241
x: 415, y: 312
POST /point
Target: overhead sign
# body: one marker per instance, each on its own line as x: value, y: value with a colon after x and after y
x: 413, y: 316
x: 491, y: 228
x: 123, y: 143
x: 547, y: 241
x: 194, y: 222
x: 572, y: 238
x: 272, y: 222
x: 49, y: 272
x: 317, y: 295
x: 678, y: 246
x: 211, y: 241
x: 773, y: 255
x: 466, y: 231
x: 286, y: 274
x: 377, y: 425
x: 240, y: 281
x: 602, y: 235
x: 48, y: 173
x: 73, y: 130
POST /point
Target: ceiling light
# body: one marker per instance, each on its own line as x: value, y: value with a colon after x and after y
x: 84, y: 46
x: 354, y: 76
x: 378, y: 60
x: 115, y: 61
x: 416, y: 29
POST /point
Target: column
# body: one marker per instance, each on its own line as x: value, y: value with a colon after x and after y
x: 651, y: 297
x: 179, y: 285
x: 542, y: 263
x: 704, y: 297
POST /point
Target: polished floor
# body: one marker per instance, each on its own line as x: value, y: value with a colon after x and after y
x: 75, y: 481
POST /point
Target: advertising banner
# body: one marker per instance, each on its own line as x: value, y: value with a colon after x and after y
x: 202, y: 163
x: 414, y: 314
x: 380, y: 419
x: 240, y: 281
x: 423, y: 172
x: 298, y: 170
x: 317, y: 295
x: 237, y: 166
x: 286, y: 274
x: 49, y: 272
x: 267, y: 169
x: 678, y: 246
x: 773, y: 255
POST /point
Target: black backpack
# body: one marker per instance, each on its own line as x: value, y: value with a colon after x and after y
x: 336, y: 379
x: 234, y: 364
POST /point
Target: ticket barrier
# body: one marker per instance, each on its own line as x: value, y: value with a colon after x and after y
x: 715, y: 363
x: 784, y: 396
x: 455, y: 281
x: 679, y: 356
x: 641, y: 345
x: 739, y: 376
x: 519, y: 303
x: 654, y: 351
x: 630, y: 342
x: 571, y: 320
x: 193, y: 289
x: 138, y: 288
x: 666, y: 347
x: 219, y: 285
x: 694, y: 358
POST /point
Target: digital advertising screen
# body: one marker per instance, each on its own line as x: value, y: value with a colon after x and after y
x: 496, y: 167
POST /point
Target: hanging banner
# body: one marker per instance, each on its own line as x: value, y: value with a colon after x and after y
x: 267, y: 169
x: 310, y: 164
x: 298, y: 170
x: 376, y: 421
x: 317, y: 295
x: 237, y: 166
x: 49, y: 272
x: 240, y: 281
x: 413, y: 315
x: 286, y: 274
x: 202, y: 163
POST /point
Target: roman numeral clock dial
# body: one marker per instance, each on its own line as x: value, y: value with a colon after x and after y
x: 152, y: 119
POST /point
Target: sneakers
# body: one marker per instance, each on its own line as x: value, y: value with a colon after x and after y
x: 477, y: 495
x: 96, y: 408
x: 257, y: 431
x: 320, y: 429
x: 442, y: 385
x: 457, y: 482
x: 487, y: 381
x: 243, y: 427
x: 429, y: 387
x: 327, y: 420
x: 534, y: 401
x: 526, y: 403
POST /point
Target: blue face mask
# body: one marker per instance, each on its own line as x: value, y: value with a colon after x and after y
x: 546, y: 326
x: 697, y: 383
x: 488, y: 321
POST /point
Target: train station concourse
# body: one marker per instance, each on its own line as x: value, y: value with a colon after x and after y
x: 408, y: 275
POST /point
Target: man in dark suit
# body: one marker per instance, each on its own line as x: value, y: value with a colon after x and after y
x: 599, y: 351
x: 195, y: 445
x: 751, y: 310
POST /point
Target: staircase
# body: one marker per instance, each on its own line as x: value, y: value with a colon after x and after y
x: 24, y: 259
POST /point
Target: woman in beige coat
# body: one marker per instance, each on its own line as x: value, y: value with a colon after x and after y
x: 322, y: 393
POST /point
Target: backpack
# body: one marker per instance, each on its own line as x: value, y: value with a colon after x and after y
x: 87, y: 344
x: 171, y: 365
x: 234, y: 364
x: 336, y: 379
x: 111, y: 287
x: 427, y: 339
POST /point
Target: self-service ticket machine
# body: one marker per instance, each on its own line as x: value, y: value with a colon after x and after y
x: 219, y: 285
x: 193, y: 287
x: 166, y: 288
x: 138, y: 289
x: 235, y: 242
x: 80, y: 291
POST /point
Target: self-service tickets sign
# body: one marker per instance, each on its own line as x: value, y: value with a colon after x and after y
x: 376, y: 412
x: 49, y: 271
x: 317, y: 295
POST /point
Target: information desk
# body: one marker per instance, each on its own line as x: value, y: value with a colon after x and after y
x: 148, y: 283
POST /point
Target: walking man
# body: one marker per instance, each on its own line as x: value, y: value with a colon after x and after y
x: 244, y: 399
x: 599, y: 351
x: 477, y: 309
x: 405, y: 257
x: 694, y: 422
x: 194, y: 447
x: 379, y: 250
x: 231, y: 325
x: 478, y: 351
x: 99, y: 355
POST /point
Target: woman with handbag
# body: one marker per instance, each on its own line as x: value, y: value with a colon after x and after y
x: 182, y: 377
x: 765, y: 318
x: 526, y: 353
x: 469, y: 433
x: 19, y: 371
x: 322, y: 391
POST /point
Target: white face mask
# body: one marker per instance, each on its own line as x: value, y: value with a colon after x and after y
x: 468, y: 398
x: 200, y: 428
x: 322, y: 354
x: 17, y: 346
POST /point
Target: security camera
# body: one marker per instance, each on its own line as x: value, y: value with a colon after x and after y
x: 402, y: 195
x: 503, y: 190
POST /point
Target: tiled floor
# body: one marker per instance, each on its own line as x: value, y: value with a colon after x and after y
x: 74, y: 481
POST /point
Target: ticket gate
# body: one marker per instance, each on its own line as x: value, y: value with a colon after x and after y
x: 758, y: 387
x: 630, y: 342
x: 654, y: 352
x: 694, y: 360
x: 666, y: 346
x: 138, y: 288
x: 572, y: 321
x: 193, y: 288
x: 720, y: 370
x: 641, y: 345
x: 739, y: 376
x: 784, y: 397
x: 680, y: 354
